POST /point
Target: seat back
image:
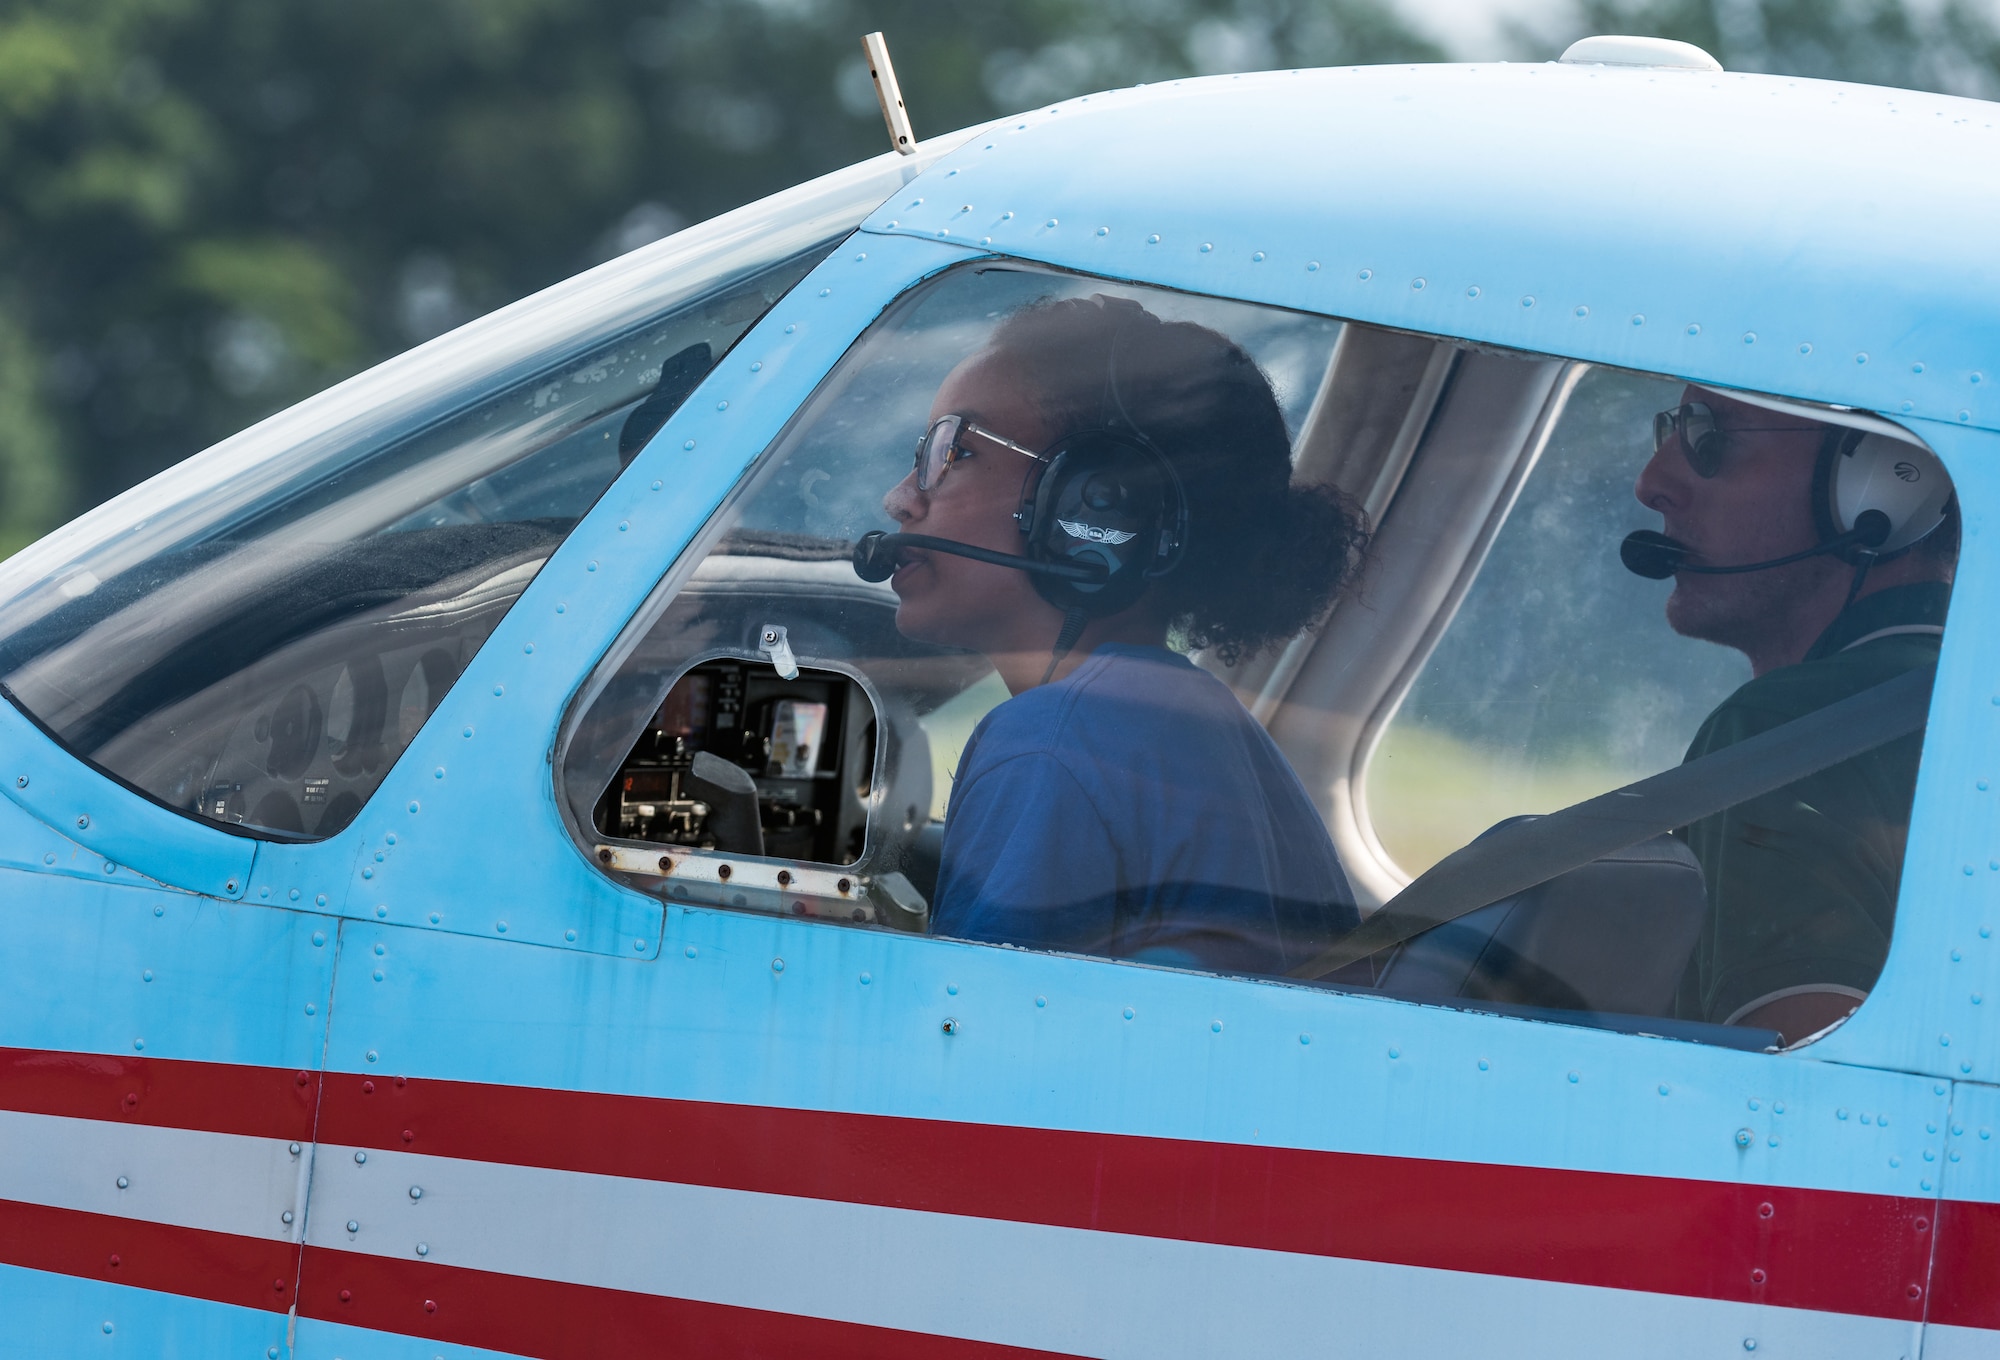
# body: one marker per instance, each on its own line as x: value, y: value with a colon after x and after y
x: 1611, y: 936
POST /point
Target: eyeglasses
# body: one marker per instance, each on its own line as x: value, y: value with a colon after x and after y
x: 1691, y: 428
x: 944, y: 444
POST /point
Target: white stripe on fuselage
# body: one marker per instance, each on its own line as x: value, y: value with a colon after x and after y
x: 1960, y: 1343
x: 1022, y: 1284
x: 218, y: 1182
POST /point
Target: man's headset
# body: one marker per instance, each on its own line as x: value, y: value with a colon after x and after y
x: 1873, y: 497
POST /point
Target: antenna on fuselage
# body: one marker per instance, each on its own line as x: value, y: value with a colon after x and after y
x: 889, y: 94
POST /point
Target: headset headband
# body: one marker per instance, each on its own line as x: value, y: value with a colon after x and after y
x: 1865, y: 463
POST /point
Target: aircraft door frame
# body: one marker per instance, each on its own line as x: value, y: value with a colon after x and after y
x: 1928, y: 1012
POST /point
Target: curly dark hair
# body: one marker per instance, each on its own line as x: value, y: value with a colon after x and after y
x: 1264, y: 559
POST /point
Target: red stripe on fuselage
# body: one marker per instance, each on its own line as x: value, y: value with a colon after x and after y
x: 220, y: 1267
x: 556, y: 1321
x: 1831, y: 1250
x: 1965, y: 1279
x: 263, y: 1102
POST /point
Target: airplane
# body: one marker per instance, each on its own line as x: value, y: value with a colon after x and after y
x: 471, y: 842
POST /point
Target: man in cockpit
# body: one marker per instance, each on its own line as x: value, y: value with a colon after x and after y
x: 1801, y: 882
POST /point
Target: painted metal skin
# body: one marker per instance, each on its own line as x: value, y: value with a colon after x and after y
x: 437, y: 1086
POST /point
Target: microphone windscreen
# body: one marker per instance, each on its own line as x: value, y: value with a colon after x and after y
x: 1651, y: 554
x: 874, y: 557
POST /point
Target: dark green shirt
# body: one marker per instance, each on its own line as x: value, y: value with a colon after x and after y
x: 1802, y: 881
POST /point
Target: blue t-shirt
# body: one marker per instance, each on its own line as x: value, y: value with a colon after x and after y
x: 1134, y: 809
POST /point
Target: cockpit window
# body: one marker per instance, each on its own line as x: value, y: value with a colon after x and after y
x: 1213, y: 636
x: 255, y: 640
x: 1691, y: 673
x: 1152, y: 434
x: 1553, y: 683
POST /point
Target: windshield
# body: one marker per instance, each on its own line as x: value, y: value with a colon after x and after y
x: 255, y: 639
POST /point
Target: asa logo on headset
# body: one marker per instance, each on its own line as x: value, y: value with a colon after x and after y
x: 1091, y: 533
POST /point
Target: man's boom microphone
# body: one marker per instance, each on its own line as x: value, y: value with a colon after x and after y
x: 1653, y: 555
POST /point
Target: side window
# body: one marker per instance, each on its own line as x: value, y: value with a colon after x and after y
x: 1091, y: 618
x: 1685, y: 572
x: 257, y: 648
x: 1116, y: 462
x: 1559, y: 678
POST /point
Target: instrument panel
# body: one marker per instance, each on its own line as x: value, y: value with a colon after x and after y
x: 806, y: 744
x: 307, y: 761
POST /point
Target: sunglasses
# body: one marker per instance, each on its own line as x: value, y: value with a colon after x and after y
x: 944, y: 444
x: 1691, y: 428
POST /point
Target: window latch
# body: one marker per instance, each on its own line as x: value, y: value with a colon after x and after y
x: 771, y: 641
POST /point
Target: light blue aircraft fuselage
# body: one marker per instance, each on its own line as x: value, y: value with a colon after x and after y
x: 629, y: 1125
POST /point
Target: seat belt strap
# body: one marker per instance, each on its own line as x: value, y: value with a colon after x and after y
x: 1528, y: 853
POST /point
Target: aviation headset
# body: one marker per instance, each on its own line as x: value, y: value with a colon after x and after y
x: 1861, y: 471
x: 1103, y: 513
x: 1865, y: 466
x: 1874, y: 495
x: 1106, y: 497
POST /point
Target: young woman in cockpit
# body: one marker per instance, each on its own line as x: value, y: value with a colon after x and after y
x: 1122, y: 802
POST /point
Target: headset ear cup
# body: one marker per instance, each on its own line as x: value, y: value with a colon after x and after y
x: 1870, y: 471
x: 1104, y: 497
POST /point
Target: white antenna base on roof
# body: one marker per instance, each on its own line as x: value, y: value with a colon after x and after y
x: 1620, y: 50
x: 889, y: 94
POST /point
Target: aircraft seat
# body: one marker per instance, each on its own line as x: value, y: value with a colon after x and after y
x: 1612, y: 936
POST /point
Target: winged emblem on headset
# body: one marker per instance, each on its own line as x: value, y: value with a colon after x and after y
x: 1093, y: 534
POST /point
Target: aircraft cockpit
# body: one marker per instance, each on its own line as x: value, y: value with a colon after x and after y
x: 1425, y: 743
x: 1495, y: 665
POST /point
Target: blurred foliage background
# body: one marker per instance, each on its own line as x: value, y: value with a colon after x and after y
x: 210, y: 208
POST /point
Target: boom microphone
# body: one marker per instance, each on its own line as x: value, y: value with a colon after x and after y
x: 876, y: 553
x: 1653, y: 555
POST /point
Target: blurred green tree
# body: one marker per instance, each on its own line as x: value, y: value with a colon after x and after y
x: 209, y: 208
